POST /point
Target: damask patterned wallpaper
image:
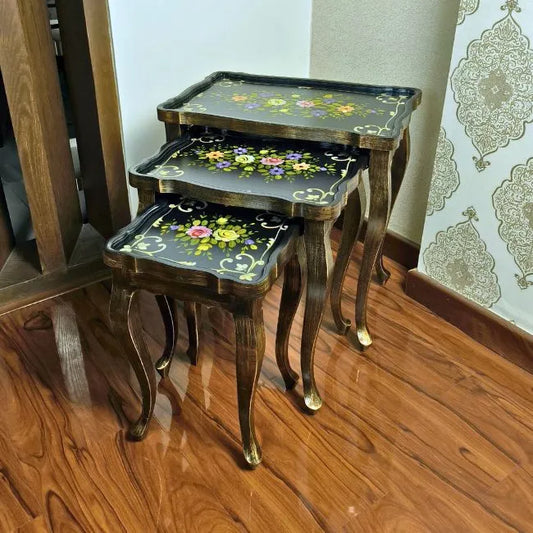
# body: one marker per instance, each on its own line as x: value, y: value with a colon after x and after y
x: 478, y: 234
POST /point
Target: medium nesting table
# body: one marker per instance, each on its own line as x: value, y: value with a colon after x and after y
x: 290, y: 177
x: 373, y: 118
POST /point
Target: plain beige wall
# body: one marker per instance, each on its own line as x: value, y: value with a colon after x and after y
x: 392, y: 42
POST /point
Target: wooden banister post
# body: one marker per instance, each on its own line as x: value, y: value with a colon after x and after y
x: 32, y: 87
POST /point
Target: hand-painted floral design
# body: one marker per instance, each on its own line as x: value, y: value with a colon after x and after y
x: 327, y: 105
x: 196, y: 232
x: 198, y: 235
x: 270, y: 162
x: 237, y: 243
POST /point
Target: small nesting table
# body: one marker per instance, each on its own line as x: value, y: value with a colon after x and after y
x: 193, y: 251
x: 291, y: 177
x: 372, y: 118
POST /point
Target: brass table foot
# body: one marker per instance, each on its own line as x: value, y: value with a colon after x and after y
x: 253, y: 455
x: 363, y: 337
x: 382, y: 273
x: 138, y: 429
x: 342, y: 324
x: 163, y: 366
x: 313, y: 401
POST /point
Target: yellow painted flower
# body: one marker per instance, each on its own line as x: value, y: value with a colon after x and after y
x: 214, y: 155
x: 203, y: 247
x: 277, y: 101
x: 346, y: 108
x: 301, y: 166
x: 222, y: 220
x: 225, y: 235
x: 239, y: 98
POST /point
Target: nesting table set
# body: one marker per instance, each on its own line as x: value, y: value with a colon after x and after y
x: 255, y: 172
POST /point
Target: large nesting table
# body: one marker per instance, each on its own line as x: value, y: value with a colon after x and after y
x: 374, y: 119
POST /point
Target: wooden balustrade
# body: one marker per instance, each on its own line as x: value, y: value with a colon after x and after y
x: 66, y: 253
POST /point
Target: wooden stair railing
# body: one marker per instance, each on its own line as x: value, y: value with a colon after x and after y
x: 66, y: 253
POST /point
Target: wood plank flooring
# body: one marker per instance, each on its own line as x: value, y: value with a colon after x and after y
x: 425, y: 432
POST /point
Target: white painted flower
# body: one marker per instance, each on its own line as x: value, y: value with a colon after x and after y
x: 244, y: 158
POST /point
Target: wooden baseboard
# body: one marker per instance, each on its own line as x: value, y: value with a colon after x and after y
x: 498, y: 334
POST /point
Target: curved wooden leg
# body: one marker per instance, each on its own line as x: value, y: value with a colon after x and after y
x: 192, y: 310
x: 351, y: 227
x: 250, y: 348
x: 379, y: 178
x: 318, y: 259
x: 127, y: 327
x: 167, y: 308
x: 290, y: 299
x: 399, y: 164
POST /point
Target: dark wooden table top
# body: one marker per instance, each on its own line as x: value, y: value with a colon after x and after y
x: 361, y: 115
x: 297, y: 178
x: 236, y: 244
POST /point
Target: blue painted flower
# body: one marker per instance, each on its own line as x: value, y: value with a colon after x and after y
x: 223, y: 164
x: 240, y: 151
x: 328, y: 100
x: 373, y: 111
x: 294, y: 156
x: 277, y: 171
x: 252, y: 105
x: 323, y: 169
x: 266, y: 95
x: 174, y: 227
x: 318, y: 112
x: 249, y: 241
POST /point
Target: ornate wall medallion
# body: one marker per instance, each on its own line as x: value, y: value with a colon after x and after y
x: 466, y: 7
x: 493, y: 86
x: 513, y: 202
x: 459, y: 260
x: 445, y: 178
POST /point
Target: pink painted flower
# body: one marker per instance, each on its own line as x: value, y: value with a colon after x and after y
x: 199, y: 232
x: 305, y: 103
x: 271, y: 160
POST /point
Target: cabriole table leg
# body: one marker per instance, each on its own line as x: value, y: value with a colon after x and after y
x: 399, y: 164
x: 379, y: 178
x: 319, y: 260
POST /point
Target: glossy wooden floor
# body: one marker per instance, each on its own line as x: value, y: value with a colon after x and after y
x: 427, y: 431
